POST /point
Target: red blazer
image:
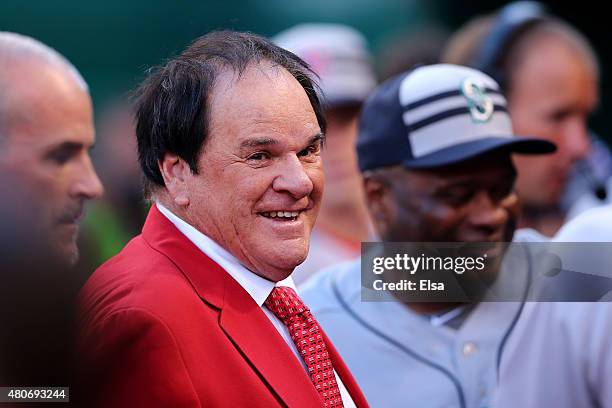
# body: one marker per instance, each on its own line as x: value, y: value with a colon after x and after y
x: 162, y: 325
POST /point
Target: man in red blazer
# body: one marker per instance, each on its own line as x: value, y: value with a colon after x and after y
x: 200, y: 309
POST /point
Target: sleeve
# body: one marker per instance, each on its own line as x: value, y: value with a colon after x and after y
x: 131, y: 359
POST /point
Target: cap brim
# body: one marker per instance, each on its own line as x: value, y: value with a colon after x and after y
x: 469, y: 150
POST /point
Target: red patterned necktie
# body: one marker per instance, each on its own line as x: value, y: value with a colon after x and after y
x: 307, y: 336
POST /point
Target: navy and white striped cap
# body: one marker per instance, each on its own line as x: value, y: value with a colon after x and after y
x: 437, y: 115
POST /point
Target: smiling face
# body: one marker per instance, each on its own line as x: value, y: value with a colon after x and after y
x: 260, y: 177
x: 44, y: 148
x: 472, y: 201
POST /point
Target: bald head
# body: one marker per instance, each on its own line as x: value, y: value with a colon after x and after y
x: 17, y: 49
x: 20, y: 57
x: 46, y: 131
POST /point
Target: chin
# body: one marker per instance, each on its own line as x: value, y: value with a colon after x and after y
x: 277, y: 276
x: 546, y: 199
x: 291, y: 261
x: 298, y: 255
x: 283, y: 265
x: 72, y: 257
x: 68, y: 254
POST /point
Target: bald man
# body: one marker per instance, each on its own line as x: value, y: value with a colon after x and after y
x: 46, y: 131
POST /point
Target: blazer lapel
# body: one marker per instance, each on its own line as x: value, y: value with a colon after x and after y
x: 253, y: 333
x: 241, y: 318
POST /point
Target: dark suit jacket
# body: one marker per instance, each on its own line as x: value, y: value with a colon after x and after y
x: 162, y: 325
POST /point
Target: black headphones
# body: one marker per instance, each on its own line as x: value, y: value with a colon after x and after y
x: 512, y: 21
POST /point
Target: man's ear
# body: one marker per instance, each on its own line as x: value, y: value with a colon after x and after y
x: 380, y: 203
x: 175, y: 172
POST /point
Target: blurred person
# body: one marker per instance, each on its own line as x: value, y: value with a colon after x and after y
x: 550, y: 75
x: 46, y: 131
x: 563, y: 354
x: 200, y: 309
x: 594, y: 225
x: 338, y: 54
x: 558, y: 354
x: 590, y: 184
x: 434, y: 147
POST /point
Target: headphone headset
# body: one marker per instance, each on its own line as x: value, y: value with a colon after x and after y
x: 512, y: 21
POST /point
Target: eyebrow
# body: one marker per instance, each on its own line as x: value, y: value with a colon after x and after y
x: 464, y: 181
x: 66, y: 146
x: 266, y: 141
x: 258, y: 142
x: 319, y: 137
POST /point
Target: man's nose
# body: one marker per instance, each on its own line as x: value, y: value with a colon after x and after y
x: 293, y: 178
x: 87, y: 185
x: 576, y: 140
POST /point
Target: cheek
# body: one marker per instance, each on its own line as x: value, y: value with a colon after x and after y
x: 511, y: 204
x: 36, y: 188
x: 437, y: 221
x: 246, y: 192
x: 317, y: 177
x: 419, y: 219
x: 43, y: 184
x: 444, y: 222
x: 535, y: 169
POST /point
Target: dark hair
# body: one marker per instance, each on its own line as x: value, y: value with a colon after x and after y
x: 171, y: 104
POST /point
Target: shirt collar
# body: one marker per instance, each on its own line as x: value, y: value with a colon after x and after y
x: 259, y: 288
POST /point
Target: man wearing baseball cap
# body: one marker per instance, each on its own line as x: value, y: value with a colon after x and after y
x: 434, y: 148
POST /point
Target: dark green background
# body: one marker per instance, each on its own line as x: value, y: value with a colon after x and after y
x: 114, y: 42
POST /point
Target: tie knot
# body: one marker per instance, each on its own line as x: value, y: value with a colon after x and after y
x: 285, y: 303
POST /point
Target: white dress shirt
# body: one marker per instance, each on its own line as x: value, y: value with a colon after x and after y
x: 259, y: 288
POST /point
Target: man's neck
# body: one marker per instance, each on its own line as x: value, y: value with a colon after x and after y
x: 547, y: 221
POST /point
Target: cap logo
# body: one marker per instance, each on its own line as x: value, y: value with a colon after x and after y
x: 479, y: 102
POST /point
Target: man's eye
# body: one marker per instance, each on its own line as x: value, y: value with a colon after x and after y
x: 456, y: 197
x: 61, y: 156
x: 310, y: 150
x: 501, y: 191
x: 559, y: 116
x: 259, y: 156
x: 65, y: 152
